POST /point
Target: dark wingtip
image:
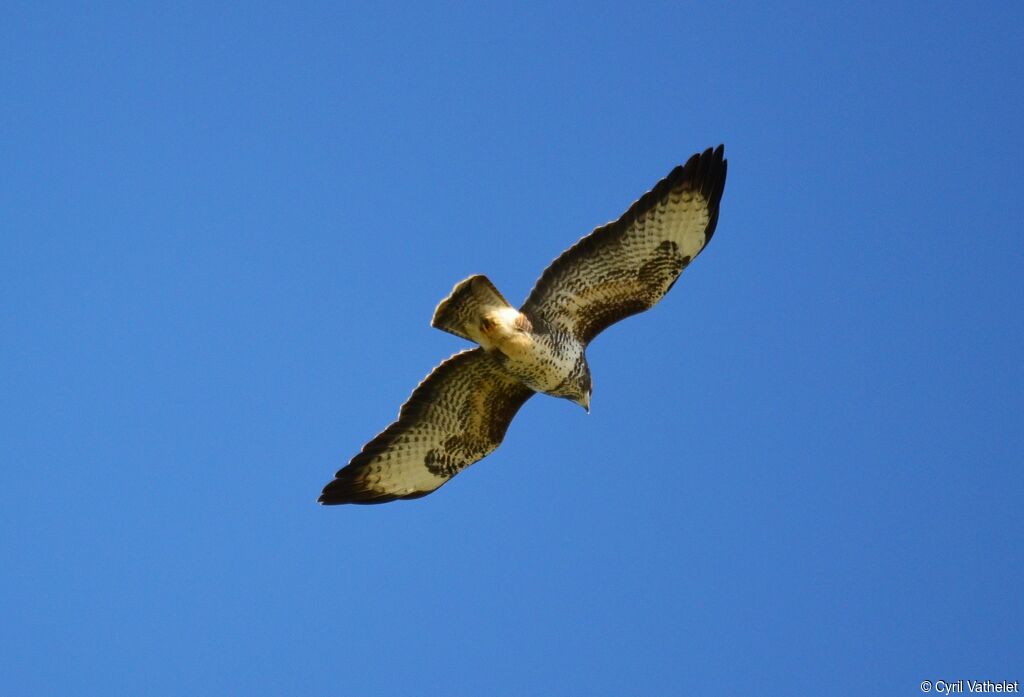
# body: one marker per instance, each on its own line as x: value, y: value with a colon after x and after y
x: 340, y: 495
x: 337, y: 491
x: 346, y: 487
x: 706, y: 172
x: 349, y: 487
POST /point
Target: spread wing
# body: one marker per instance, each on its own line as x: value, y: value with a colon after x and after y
x: 456, y: 416
x: 625, y: 267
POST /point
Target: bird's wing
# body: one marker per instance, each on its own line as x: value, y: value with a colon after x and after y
x: 626, y: 266
x: 456, y: 416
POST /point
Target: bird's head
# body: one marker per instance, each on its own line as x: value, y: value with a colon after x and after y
x: 584, y: 401
x: 581, y: 387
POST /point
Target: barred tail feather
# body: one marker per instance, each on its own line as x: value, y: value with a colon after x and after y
x: 463, y: 310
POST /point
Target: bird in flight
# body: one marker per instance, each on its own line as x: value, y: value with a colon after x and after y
x: 460, y: 412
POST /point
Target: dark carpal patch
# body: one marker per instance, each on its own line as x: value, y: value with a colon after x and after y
x: 446, y: 462
x: 663, y: 267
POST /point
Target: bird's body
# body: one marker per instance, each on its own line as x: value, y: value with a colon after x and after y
x: 545, y: 361
x: 461, y: 411
x: 542, y: 358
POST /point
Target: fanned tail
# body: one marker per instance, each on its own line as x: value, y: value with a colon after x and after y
x: 462, y: 312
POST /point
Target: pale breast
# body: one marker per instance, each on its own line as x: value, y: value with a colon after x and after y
x: 543, y: 362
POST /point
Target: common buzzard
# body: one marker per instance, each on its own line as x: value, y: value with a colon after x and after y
x: 460, y: 412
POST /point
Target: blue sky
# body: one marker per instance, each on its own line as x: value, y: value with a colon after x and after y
x: 223, y: 231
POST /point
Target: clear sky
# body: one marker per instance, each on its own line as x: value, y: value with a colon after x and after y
x: 223, y: 232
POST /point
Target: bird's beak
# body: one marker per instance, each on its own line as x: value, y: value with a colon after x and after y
x: 585, y: 403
